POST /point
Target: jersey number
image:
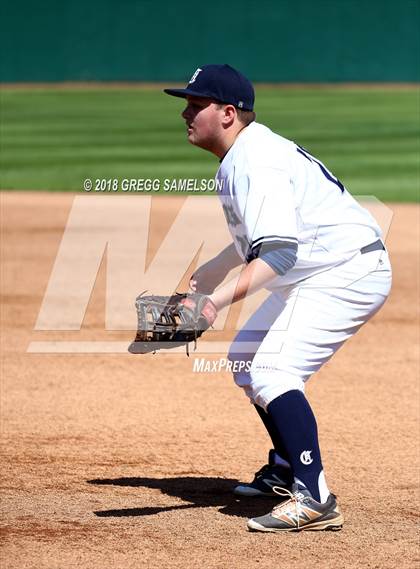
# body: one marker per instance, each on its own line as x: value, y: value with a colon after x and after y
x: 324, y: 170
x: 231, y: 217
x: 233, y: 220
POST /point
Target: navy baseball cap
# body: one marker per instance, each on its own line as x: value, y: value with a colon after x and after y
x: 220, y: 82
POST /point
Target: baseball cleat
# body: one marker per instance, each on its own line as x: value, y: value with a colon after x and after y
x: 265, y: 479
x: 300, y: 512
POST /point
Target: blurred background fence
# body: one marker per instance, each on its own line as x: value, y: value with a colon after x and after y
x: 269, y: 40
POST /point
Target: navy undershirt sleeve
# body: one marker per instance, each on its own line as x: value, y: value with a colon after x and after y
x: 281, y: 257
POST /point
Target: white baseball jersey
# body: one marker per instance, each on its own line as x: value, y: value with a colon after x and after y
x: 274, y: 191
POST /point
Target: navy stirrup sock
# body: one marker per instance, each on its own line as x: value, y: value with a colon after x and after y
x: 295, y: 423
x: 272, y: 431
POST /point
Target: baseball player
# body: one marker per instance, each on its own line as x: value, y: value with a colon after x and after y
x: 300, y: 234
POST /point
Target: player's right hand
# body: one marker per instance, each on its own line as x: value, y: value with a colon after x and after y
x: 207, y: 277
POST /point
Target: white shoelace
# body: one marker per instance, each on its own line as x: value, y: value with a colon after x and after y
x: 294, y: 498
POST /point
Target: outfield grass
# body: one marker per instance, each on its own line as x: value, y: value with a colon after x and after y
x: 53, y: 139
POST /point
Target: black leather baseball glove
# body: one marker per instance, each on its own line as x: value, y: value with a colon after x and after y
x: 171, y: 321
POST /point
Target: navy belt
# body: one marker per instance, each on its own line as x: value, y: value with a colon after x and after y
x: 375, y: 246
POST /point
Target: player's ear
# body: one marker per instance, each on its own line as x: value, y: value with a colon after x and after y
x: 229, y: 115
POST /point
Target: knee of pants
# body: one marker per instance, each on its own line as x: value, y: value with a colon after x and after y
x: 262, y: 383
x: 240, y: 367
x: 269, y: 383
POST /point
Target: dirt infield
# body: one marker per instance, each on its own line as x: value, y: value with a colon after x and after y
x: 115, y: 461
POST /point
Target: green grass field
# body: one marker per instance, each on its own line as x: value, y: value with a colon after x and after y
x: 52, y: 139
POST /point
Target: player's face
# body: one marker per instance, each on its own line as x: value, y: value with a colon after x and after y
x: 203, y: 119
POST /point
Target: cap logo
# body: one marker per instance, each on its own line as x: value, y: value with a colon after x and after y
x: 194, y: 77
x: 240, y: 104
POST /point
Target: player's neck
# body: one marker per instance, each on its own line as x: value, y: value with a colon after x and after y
x: 228, y: 140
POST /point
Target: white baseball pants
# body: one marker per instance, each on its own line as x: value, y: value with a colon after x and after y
x: 299, y: 327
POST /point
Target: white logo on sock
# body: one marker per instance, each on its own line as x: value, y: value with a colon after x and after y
x: 305, y: 457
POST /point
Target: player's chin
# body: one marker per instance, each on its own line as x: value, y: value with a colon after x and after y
x: 192, y: 138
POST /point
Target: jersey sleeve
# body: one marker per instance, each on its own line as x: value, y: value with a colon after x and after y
x: 268, y: 210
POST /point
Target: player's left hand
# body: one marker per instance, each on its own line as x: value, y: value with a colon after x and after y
x: 200, y: 307
x: 171, y: 321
